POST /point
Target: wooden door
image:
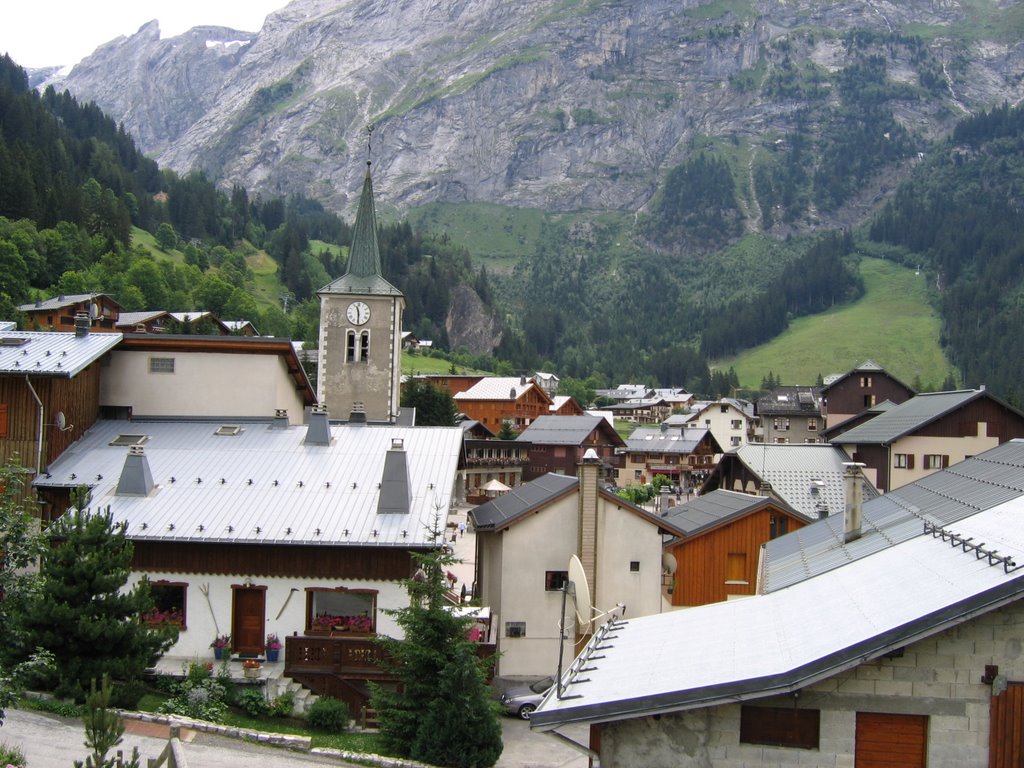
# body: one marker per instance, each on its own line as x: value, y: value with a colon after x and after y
x: 248, y: 616
x: 1006, y: 730
x: 891, y: 741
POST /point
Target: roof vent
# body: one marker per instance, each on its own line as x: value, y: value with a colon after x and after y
x: 319, y: 430
x: 136, y: 479
x: 395, y: 498
x: 280, y: 418
x: 129, y: 440
x: 228, y: 430
x: 358, y: 413
x: 82, y: 325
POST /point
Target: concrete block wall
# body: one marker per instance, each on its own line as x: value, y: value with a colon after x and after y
x: 939, y: 676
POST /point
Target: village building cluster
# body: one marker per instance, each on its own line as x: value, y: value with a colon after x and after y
x: 826, y: 574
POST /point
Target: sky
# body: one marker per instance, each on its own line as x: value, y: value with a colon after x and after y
x: 41, y: 33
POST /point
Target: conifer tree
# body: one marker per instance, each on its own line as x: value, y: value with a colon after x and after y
x: 104, y: 730
x: 82, y: 614
x: 443, y: 713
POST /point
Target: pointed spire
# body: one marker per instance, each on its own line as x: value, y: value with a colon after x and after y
x: 364, y: 256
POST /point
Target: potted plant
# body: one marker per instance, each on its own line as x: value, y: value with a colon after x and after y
x: 251, y: 668
x: 220, y: 645
x: 273, y: 646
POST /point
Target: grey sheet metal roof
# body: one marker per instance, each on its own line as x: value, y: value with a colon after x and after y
x: 130, y: 319
x: 942, y: 498
x: 560, y: 430
x: 63, y: 300
x: 52, y: 353
x: 264, y: 484
x: 771, y: 644
x: 521, y: 500
x: 673, y: 440
x: 909, y: 416
x: 794, y: 469
x: 716, y: 507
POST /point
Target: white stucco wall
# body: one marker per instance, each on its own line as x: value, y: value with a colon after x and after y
x: 203, y: 384
x: 939, y: 677
x: 207, y: 618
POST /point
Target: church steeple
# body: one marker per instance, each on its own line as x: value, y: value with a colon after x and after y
x: 364, y: 258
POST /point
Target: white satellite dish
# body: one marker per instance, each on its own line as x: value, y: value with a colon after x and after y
x: 61, y: 421
x: 668, y: 563
x: 581, y: 593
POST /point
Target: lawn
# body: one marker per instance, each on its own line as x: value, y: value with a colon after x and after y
x: 893, y: 324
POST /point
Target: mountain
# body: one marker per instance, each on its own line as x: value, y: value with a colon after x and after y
x: 559, y: 105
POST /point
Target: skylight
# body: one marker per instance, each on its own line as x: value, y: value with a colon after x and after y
x: 228, y: 430
x: 129, y: 440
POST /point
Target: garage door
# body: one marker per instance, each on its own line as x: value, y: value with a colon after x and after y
x: 891, y: 741
x: 1006, y: 733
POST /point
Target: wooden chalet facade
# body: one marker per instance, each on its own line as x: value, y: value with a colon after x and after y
x: 686, y: 455
x: 59, y: 313
x: 717, y: 559
x: 493, y: 401
x: 558, y: 444
x: 864, y: 387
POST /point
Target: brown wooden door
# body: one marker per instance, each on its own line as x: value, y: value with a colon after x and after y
x: 248, y: 614
x: 891, y: 741
x: 1006, y: 732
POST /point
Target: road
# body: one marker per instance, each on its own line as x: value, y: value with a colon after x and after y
x: 49, y: 741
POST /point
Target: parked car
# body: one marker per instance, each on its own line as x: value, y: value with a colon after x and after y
x: 524, y: 699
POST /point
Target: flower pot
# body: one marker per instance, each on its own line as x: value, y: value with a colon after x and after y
x: 251, y: 672
x: 272, y: 654
x: 218, y: 653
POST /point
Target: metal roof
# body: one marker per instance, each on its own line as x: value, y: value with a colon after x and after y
x: 563, y: 430
x: 807, y: 476
x: 909, y: 416
x: 498, y: 388
x: 63, y: 300
x: 790, y: 400
x: 524, y: 498
x: 263, y: 484
x: 52, y: 353
x: 657, y: 440
x: 771, y: 644
x: 981, y: 482
x: 715, y: 508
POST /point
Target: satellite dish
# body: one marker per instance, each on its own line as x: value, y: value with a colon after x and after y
x: 61, y: 421
x: 94, y: 310
x: 581, y: 592
x: 668, y: 563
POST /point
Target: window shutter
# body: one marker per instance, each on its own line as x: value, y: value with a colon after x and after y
x: 3, y: 420
x: 945, y: 461
x: 910, y: 461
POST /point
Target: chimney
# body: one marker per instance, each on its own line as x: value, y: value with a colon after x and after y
x: 854, y: 500
x: 136, y: 479
x: 280, y: 418
x: 589, y: 474
x: 664, y: 427
x: 358, y: 414
x: 319, y: 430
x: 82, y: 324
x: 394, y: 482
x: 522, y: 381
x: 765, y: 489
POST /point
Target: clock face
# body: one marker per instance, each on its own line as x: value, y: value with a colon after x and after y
x: 358, y: 313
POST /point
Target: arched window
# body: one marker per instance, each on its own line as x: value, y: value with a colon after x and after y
x: 364, y: 347
x: 350, y: 352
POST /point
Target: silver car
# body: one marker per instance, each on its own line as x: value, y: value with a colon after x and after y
x: 523, y: 700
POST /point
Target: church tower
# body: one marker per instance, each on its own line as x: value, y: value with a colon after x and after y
x: 361, y: 329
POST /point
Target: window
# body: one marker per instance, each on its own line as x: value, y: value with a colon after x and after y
x: 725, y: 409
x: 780, y: 424
x: 341, y: 608
x: 555, y: 580
x: 869, y: 401
x: 515, y: 629
x: 736, y: 568
x: 734, y: 440
x: 364, y: 347
x: 903, y: 460
x: 161, y: 365
x: 865, y: 382
x: 350, y: 347
x: 812, y: 425
x: 778, y: 525
x: 935, y: 461
x: 736, y: 424
x: 782, y: 727
x: 3, y: 420
x: 634, y: 566
x: 637, y: 474
x: 169, y: 600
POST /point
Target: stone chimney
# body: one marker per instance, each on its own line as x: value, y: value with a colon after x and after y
x: 136, y: 478
x: 358, y: 414
x: 318, y: 432
x: 82, y: 325
x: 854, y: 500
x: 395, y: 498
x: 589, y: 474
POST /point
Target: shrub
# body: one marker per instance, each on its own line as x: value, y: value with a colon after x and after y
x: 200, y: 695
x: 328, y: 714
x: 127, y: 694
x: 283, y: 705
x: 11, y: 755
x: 253, y: 702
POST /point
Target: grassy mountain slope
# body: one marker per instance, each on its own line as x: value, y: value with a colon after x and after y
x: 893, y: 324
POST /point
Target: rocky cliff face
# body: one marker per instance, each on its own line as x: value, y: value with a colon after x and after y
x: 547, y: 103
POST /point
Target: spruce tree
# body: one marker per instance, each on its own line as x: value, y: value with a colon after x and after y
x: 83, y: 615
x: 442, y: 713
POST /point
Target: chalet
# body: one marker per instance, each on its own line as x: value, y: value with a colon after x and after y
x: 649, y: 410
x: 525, y: 540
x: 49, y: 385
x: 251, y: 527
x: 907, y: 655
x: 495, y: 400
x: 791, y: 415
x: 152, y: 321
x: 60, y: 312
x: 548, y: 382
x: 927, y: 433
x: 565, y: 405
x: 158, y: 375
x: 452, y: 382
x: 684, y: 455
x: 488, y: 459
x: 717, y: 556
x: 240, y: 328
x: 807, y: 477
x: 199, y: 321
x: 864, y: 387
x: 558, y: 444
x: 731, y: 421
